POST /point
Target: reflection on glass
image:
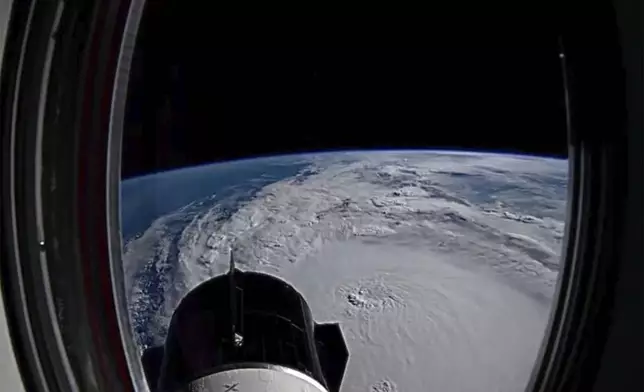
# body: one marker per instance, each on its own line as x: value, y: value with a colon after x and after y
x: 440, y: 266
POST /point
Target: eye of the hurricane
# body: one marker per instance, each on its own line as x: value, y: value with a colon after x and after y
x: 382, y: 269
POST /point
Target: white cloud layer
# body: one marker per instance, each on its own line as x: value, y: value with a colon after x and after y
x: 440, y: 267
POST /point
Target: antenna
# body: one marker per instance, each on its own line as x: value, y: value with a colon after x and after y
x: 231, y: 268
x: 236, y: 337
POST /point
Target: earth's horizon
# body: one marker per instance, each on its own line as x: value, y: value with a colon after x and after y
x: 439, y: 265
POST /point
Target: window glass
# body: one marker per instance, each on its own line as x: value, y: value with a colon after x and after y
x: 439, y: 264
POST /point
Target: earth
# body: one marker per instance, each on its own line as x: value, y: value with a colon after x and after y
x: 440, y: 266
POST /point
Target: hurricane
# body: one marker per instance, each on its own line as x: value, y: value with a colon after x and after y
x: 440, y: 266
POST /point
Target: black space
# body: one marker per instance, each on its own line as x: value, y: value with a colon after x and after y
x: 206, y: 89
